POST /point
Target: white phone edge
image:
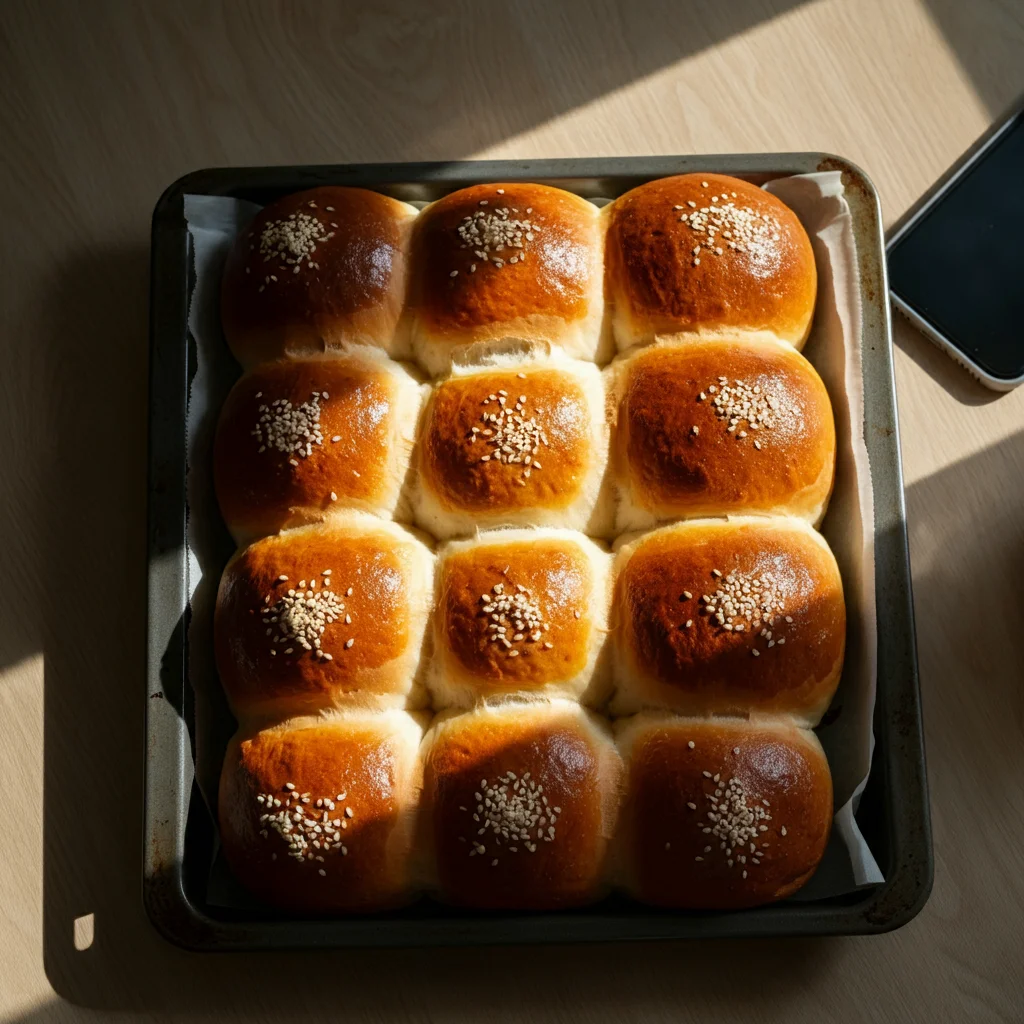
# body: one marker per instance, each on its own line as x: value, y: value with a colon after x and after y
x: 925, y: 326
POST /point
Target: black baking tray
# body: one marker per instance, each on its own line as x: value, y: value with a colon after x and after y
x: 180, y: 837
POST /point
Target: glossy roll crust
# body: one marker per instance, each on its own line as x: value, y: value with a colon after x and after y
x: 769, y: 641
x: 714, y: 427
x: 521, y: 611
x: 299, y: 441
x: 520, y: 446
x: 316, y: 270
x: 660, y: 284
x: 547, y: 774
x: 506, y: 260
x: 361, y: 580
x: 317, y: 816
x: 722, y: 814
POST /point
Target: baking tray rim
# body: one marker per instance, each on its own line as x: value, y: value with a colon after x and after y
x: 899, y: 749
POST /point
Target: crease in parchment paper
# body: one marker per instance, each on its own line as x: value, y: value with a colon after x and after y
x: 834, y: 347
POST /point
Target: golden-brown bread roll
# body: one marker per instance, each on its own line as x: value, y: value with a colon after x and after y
x: 327, y: 615
x: 521, y: 612
x: 317, y: 815
x: 519, y: 445
x: 299, y: 441
x: 720, y: 814
x: 717, y: 427
x: 719, y: 617
x: 315, y: 271
x: 508, y: 260
x: 707, y: 255
x: 519, y: 802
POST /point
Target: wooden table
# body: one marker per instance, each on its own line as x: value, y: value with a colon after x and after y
x: 104, y: 104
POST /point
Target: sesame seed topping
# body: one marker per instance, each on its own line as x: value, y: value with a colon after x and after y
x: 307, y: 830
x: 696, y: 429
x: 517, y: 613
x: 736, y: 821
x: 741, y: 404
x: 301, y: 616
x: 513, y: 810
x: 488, y: 232
x: 513, y: 437
x: 289, y: 428
x: 745, y: 602
x: 747, y: 230
x: 691, y: 744
x: 293, y: 239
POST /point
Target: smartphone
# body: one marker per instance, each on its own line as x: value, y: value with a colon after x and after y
x: 956, y: 266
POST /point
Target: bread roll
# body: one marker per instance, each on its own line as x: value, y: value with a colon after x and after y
x: 721, y: 814
x: 317, y: 270
x: 720, y: 617
x: 521, y: 612
x: 322, y: 616
x: 716, y: 427
x: 509, y: 260
x: 706, y: 255
x: 300, y: 441
x: 317, y: 816
x: 520, y: 445
x: 519, y: 802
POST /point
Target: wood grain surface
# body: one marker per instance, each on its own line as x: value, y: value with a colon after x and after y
x: 104, y: 104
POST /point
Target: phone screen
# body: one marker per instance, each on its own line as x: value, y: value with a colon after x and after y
x: 961, y: 267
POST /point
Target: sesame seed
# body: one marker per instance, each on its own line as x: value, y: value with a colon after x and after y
x: 691, y: 744
x: 689, y: 623
x: 348, y: 593
x: 756, y: 653
x: 513, y: 437
x: 518, y: 614
x: 749, y: 231
x: 293, y: 239
x: 735, y: 750
x: 336, y: 438
x: 513, y: 810
x: 300, y: 822
x: 696, y: 429
x: 454, y: 273
x: 691, y: 805
x: 334, y: 496
x: 703, y: 184
x: 349, y: 643
x: 490, y: 232
x: 289, y: 428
